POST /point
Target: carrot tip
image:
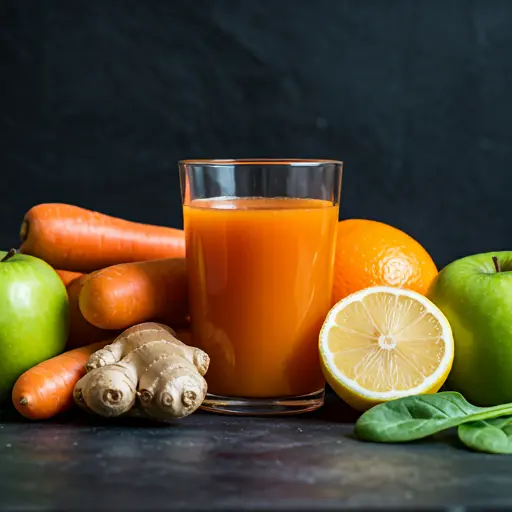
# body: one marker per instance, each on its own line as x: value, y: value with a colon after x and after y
x: 23, y: 401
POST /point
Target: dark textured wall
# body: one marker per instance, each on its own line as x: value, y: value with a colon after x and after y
x: 99, y: 99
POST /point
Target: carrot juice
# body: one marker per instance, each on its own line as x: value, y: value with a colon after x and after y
x: 260, y: 273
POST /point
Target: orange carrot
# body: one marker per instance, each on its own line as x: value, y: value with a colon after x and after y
x: 81, y: 332
x: 120, y: 296
x: 67, y: 276
x: 72, y: 238
x: 47, y: 389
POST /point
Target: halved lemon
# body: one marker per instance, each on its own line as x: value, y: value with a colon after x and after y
x: 383, y: 343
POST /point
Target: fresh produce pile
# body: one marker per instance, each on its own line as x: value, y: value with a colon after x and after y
x: 94, y: 313
x: 87, y: 311
x: 400, y: 332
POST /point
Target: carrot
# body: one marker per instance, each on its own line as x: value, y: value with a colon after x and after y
x: 47, y: 389
x: 81, y: 332
x: 72, y: 238
x: 67, y: 276
x: 123, y: 295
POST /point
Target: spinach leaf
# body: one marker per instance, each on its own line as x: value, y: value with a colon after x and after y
x: 416, y: 417
x: 490, y: 436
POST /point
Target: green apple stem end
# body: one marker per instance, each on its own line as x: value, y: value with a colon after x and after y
x: 9, y: 255
x: 496, y: 262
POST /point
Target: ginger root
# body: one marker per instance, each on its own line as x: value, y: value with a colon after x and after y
x: 148, y: 364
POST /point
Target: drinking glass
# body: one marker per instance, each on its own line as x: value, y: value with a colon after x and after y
x: 260, y: 238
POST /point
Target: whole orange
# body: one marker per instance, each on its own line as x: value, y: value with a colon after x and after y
x: 371, y: 253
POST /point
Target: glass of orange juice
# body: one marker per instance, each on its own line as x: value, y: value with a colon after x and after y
x: 260, y: 238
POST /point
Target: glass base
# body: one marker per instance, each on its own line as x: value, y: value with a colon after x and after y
x: 263, y: 406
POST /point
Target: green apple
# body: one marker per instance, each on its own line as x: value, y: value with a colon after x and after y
x: 33, y: 316
x: 475, y: 294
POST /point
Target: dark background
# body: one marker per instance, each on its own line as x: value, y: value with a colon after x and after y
x: 99, y: 99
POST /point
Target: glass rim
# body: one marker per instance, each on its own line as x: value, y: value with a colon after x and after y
x: 305, y: 162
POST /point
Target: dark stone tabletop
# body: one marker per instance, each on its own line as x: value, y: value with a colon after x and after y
x: 214, y: 462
